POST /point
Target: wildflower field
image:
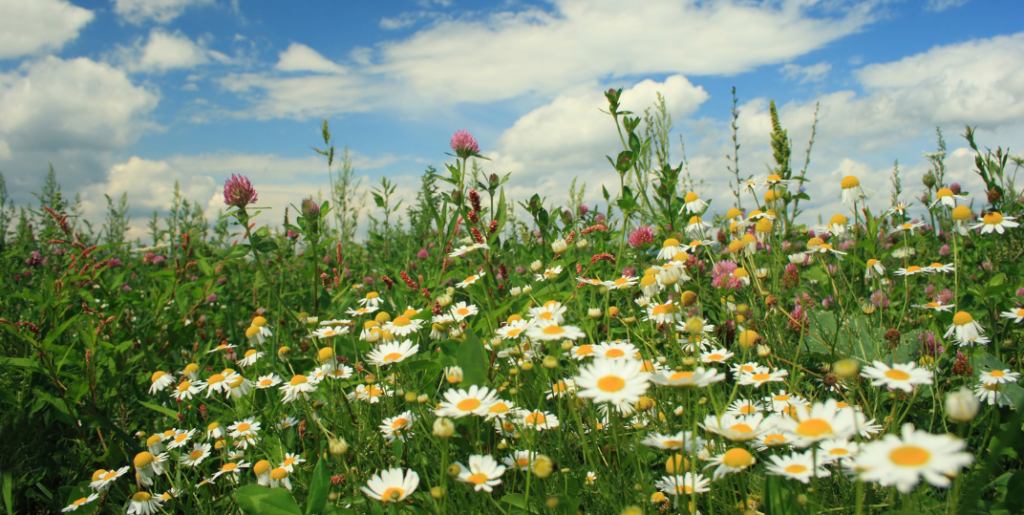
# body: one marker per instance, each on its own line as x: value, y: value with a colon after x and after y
x: 484, y: 354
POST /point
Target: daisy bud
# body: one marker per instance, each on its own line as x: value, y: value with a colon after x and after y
x: 422, y: 398
x: 559, y: 246
x: 527, y: 366
x: 437, y: 492
x: 542, y: 466
x: 550, y: 362
x: 552, y: 502
x: 410, y: 397
x: 594, y: 312
x: 444, y: 428
x: 846, y: 368
x: 566, y: 345
x: 503, y: 445
x: 515, y: 291
x: 962, y: 405
x: 764, y: 351
x: 632, y: 510
x: 688, y: 298
x: 453, y: 470
x: 284, y: 353
x: 662, y: 360
x: 528, y: 288
x: 536, y: 266
x: 444, y: 300
x: 689, y: 361
x: 748, y: 338
x: 325, y: 354
x: 338, y: 446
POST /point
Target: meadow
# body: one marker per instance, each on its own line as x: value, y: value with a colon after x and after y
x: 482, y: 354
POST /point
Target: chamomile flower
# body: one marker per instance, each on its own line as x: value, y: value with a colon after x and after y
x: 365, y: 310
x: 483, y: 473
x: 581, y: 352
x: 102, y: 479
x: 188, y: 389
x: 731, y: 461
x: 287, y: 422
x: 621, y: 283
x: 199, y: 452
x: 160, y: 381
x: 330, y: 332
x: 222, y: 347
x: 910, y: 270
x: 697, y: 227
x: 907, y: 227
x: 461, y: 310
x: 143, y: 503
x: 902, y: 461
x: 992, y: 394
x: 459, y: 403
x: 546, y: 330
x: 735, y: 428
x: 772, y: 438
x: 716, y: 356
x: 392, y: 485
x: 471, y: 280
x: 550, y: 273
x: 250, y: 358
x: 370, y: 393
x: 181, y: 438
x: 267, y: 381
x: 670, y: 247
x: 78, y: 503
x: 852, y: 192
x: 939, y: 268
x: 946, y: 197
x: 741, y: 407
x: 372, y: 299
x: 520, y: 460
x: 615, y: 350
x: 693, y: 204
x: 838, y: 449
x: 244, y: 429
x: 466, y: 249
x: 663, y: 313
x: 798, y: 466
x: 513, y: 330
x: 874, y: 269
x: 399, y: 426
x: 999, y: 376
x: 964, y: 327
x: 550, y: 311
x: 537, y: 420
x: 995, y: 222
x: 903, y: 376
x: 290, y: 461
x: 298, y: 385
x: 561, y: 388
x: 935, y: 306
x: 403, y: 325
x: 1016, y: 315
x: 696, y: 245
x: 685, y: 379
x: 759, y: 378
x: 686, y: 484
x: 147, y: 465
x: 824, y: 421
x: 394, y: 352
x: 613, y: 381
x: 232, y: 470
x: 680, y: 440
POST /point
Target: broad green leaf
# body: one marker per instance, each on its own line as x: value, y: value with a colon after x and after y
x: 160, y: 409
x: 260, y: 500
x: 472, y: 360
x: 319, y: 487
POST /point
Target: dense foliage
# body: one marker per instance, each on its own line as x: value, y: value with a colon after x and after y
x: 653, y: 355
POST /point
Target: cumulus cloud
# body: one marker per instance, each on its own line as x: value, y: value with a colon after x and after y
x: 508, y: 54
x: 54, y: 104
x: 164, y: 51
x: 942, y: 5
x: 158, y: 11
x: 512, y: 54
x: 301, y: 58
x: 29, y: 27
x: 813, y: 73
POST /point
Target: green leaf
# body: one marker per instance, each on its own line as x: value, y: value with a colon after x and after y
x: 472, y: 360
x: 236, y: 251
x: 267, y: 246
x: 319, y: 487
x: 8, y: 480
x: 260, y: 500
x: 160, y: 409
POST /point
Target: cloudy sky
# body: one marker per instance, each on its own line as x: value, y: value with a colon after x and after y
x: 132, y: 95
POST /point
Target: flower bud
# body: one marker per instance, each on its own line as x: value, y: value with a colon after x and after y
x: 550, y: 362
x: 338, y: 446
x: 594, y: 312
x: 437, y: 492
x: 846, y: 368
x: 962, y: 405
x: 542, y: 466
x: 443, y: 428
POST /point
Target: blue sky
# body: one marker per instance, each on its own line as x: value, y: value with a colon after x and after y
x: 131, y: 95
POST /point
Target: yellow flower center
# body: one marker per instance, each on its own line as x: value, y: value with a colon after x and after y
x: 81, y: 501
x: 462, y: 311
x: 814, y: 428
x: 535, y: 418
x: 774, y: 439
x: 553, y: 329
x: 392, y: 493
x: 763, y: 376
x: 680, y: 375
x: 278, y: 474
x: 614, y: 353
x: 898, y: 375
x: 478, y: 478
x: 611, y: 383
x: 839, y: 451
x: 522, y: 462
x: 299, y: 379
x: 228, y: 467
x: 401, y: 321
x: 849, y: 182
x: 500, y: 407
x: 993, y: 218
x: 690, y: 197
x: 742, y: 428
x: 737, y: 458
x: 195, y: 455
x: 962, y: 318
x: 796, y: 469
x: 393, y: 356
x: 996, y: 373
x: 184, y: 386
x: 468, y: 404
x: 141, y: 497
x: 909, y: 456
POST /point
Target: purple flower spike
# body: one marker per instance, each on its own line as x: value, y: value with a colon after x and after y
x: 238, y: 191
x: 464, y: 144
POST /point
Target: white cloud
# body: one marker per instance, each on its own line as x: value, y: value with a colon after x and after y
x: 942, y: 5
x: 31, y: 26
x: 56, y: 104
x: 162, y: 52
x: 399, y: 22
x: 159, y: 11
x: 301, y: 58
x: 813, y: 73
x: 509, y: 54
